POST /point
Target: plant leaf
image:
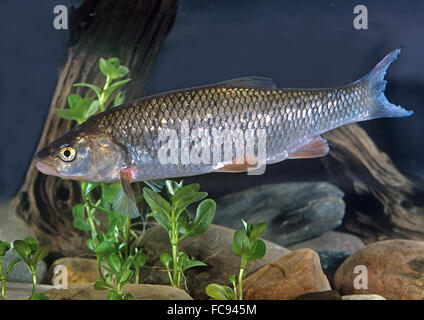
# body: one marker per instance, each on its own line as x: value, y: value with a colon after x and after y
x: 73, y: 100
x: 105, y: 248
x: 165, y: 259
x: 78, y: 211
x: 184, y: 221
x: 32, y: 243
x: 191, y: 263
x: 114, y: 262
x: 90, y: 186
x: 68, y: 114
x: 256, y: 231
x: 96, y: 89
x: 119, y: 99
x: 22, y: 250
x: 81, y: 224
x: 258, y: 250
x: 156, y: 202
x: 39, y: 255
x: 39, y: 296
x: 125, y: 277
x: 218, y: 292
x: 112, y: 295
x: 92, y: 109
x: 140, y: 259
x: 204, y: 215
x: 241, y: 243
x: 110, y: 191
x: 101, y: 285
x: 4, y: 247
x: 113, y: 87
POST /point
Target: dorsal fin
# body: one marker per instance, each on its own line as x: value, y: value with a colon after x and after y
x: 249, y: 82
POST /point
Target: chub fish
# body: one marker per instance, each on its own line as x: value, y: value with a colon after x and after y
x: 123, y: 144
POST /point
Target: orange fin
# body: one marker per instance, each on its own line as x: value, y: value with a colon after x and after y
x: 234, y: 167
x: 318, y: 147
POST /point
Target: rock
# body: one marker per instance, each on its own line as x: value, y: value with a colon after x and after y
x: 330, y: 262
x: 85, y: 291
x: 323, y: 295
x: 20, y: 272
x: 363, y: 297
x: 294, y: 211
x: 214, y: 247
x: 22, y: 291
x: 295, y: 274
x: 394, y: 269
x: 331, y: 240
x: 11, y: 228
x: 80, y: 270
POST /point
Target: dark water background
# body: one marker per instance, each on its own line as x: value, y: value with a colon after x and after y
x: 297, y: 43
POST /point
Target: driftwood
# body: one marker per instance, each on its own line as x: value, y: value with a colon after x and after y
x: 132, y: 30
x: 381, y: 202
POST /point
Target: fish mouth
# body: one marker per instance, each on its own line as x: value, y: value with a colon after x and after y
x: 45, y: 168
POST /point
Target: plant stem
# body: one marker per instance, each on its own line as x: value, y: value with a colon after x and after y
x: 240, y: 279
x: 137, y: 276
x: 99, y: 268
x: 127, y: 236
x: 3, y: 280
x: 34, y: 283
x: 102, y: 96
x: 174, y: 244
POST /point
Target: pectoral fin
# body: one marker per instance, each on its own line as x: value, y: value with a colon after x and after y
x: 125, y: 201
x: 318, y: 147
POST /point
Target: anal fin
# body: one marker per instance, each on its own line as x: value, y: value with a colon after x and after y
x: 234, y: 167
x: 317, y: 148
x: 124, y: 202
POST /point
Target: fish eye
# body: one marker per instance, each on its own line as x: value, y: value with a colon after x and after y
x: 67, y: 154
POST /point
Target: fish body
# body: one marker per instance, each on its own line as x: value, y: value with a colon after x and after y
x: 124, y: 143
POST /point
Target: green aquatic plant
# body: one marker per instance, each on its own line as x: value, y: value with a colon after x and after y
x: 174, y: 217
x: 80, y: 109
x: 247, y: 245
x: 29, y: 251
x: 112, y: 247
x: 4, y: 248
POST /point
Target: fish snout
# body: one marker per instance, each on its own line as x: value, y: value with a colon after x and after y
x: 42, y: 165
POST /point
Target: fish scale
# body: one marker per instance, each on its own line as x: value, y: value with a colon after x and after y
x: 285, y: 114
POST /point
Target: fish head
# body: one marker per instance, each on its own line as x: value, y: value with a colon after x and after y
x: 82, y: 155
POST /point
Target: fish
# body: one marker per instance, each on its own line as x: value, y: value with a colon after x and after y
x: 125, y: 144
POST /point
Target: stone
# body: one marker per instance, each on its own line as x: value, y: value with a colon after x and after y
x: 323, y: 295
x: 22, y: 291
x: 293, y: 211
x: 330, y: 262
x: 333, y: 241
x: 85, y: 291
x: 11, y: 228
x: 214, y: 247
x: 363, y: 297
x: 79, y: 270
x: 394, y: 270
x: 295, y: 274
x: 20, y: 272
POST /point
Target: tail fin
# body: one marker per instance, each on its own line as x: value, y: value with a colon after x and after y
x: 380, y: 106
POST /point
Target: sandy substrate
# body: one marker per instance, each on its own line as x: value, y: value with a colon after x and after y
x: 11, y: 227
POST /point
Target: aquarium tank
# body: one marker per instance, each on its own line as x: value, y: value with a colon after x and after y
x: 211, y: 151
